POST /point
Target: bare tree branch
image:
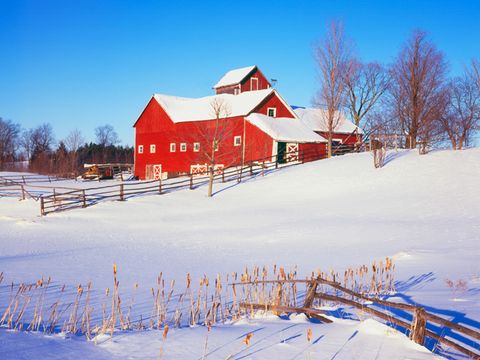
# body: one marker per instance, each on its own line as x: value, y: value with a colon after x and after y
x: 365, y: 84
x: 332, y: 56
x: 418, y: 89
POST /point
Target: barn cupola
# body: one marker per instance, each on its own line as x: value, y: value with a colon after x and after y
x: 237, y: 81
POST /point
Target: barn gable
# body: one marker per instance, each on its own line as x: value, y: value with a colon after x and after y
x: 238, y: 81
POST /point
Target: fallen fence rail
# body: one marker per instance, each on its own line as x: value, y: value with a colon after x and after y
x: 417, y: 328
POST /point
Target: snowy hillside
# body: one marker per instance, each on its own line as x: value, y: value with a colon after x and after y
x: 422, y: 211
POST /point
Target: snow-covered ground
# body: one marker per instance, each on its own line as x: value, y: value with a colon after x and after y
x: 422, y: 211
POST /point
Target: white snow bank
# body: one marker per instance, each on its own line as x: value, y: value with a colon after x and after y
x: 332, y: 214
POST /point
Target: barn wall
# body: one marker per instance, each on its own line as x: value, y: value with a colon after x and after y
x: 262, y: 81
x: 226, y: 89
x: 347, y: 139
x: 274, y: 101
x: 258, y: 144
x: 312, y: 151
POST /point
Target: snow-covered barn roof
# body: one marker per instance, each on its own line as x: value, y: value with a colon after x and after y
x: 316, y: 120
x: 182, y: 109
x: 284, y: 129
x: 235, y: 76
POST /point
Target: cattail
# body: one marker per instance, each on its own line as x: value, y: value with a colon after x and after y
x: 247, y: 339
x: 165, y: 332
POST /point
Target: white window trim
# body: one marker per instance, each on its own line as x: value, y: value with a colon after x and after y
x: 274, y: 111
x: 173, y: 147
x: 237, y: 90
x: 196, y: 147
x: 251, y: 83
x: 235, y: 140
x: 153, y: 148
x: 140, y: 149
x: 183, y: 147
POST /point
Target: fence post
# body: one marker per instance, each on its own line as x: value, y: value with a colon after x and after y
x: 23, y: 178
x: 419, y: 324
x: 223, y: 176
x: 54, y: 195
x: 159, y: 186
x: 84, y: 199
x: 23, y: 192
x: 121, y: 192
x: 49, y: 180
x: 191, y: 181
x: 312, y: 290
x: 251, y: 168
x: 42, y: 206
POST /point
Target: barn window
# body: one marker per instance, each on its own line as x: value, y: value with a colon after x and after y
x: 152, y: 149
x: 140, y: 149
x: 196, y: 147
x: 271, y: 111
x: 237, y: 141
x: 253, y: 83
x: 173, y: 147
x: 236, y: 91
x: 183, y: 147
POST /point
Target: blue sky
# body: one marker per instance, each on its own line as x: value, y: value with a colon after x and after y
x: 81, y: 64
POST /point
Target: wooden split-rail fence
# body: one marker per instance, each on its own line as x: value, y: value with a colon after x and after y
x: 59, y: 198
x: 418, y: 328
x: 65, y: 199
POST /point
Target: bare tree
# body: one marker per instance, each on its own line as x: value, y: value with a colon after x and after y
x: 42, y: 140
x: 474, y: 72
x: 463, y: 116
x: 26, y: 143
x: 332, y: 56
x: 212, y: 135
x: 73, y: 141
x: 9, y: 132
x: 106, y: 135
x: 365, y: 84
x: 418, y: 89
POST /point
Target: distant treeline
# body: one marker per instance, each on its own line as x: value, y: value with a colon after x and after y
x: 38, y: 151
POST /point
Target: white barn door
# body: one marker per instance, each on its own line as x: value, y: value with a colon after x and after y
x: 292, y: 152
x: 153, y: 172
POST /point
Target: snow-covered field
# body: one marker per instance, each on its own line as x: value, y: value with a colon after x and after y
x: 422, y: 211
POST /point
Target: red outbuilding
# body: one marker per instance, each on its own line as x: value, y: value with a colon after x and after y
x: 247, y: 120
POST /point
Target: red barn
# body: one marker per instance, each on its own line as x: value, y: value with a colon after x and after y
x: 245, y: 121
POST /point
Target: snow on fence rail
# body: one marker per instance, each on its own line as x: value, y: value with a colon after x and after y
x: 28, y: 179
x: 418, y: 328
x: 80, y: 198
